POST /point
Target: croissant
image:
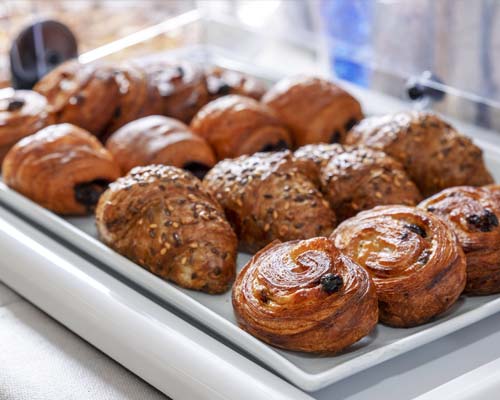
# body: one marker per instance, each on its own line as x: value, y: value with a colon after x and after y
x: 221, y: 82
x: 314, y: 109
x: 236, y: 125
x: 161, y: 218
x: 472, y: 213
x: 83, y: 95
x: 22, y: 113
x: 137, y: 97
x: 361, y: 178
x: 266, y: 197
x: 305, y: 296
x: 315, y: 157
x: 414, y: 259
x: 160, y: 140
x: 62, y: 168
x: 433, y: 153
x: 181, y: 85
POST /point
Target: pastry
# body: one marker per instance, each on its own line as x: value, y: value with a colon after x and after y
x: 22, y: 113
x: 433, y: 153
x: 305, y: 295
x: 222, y: 81
x: 266, y: 197
x: 161, y: 218
x: 317, y: 156
x: 181, y: 85
x: 236, y: 125
x: 85, y: 95
x: 62, y: 168
x: 315, y: 110
x: 361, y: 178
x: 160, y: 140
x: 413, y: 257
x: 137, y: 97
x: 472, y: 213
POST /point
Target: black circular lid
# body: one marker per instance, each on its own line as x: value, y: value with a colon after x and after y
x: 38, y: 49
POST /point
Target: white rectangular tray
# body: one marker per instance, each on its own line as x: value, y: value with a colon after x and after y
x: 214, y: 312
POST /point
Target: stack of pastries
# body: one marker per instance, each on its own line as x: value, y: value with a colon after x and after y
x: 351, y: 221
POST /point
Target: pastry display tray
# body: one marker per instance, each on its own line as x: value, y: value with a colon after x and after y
x: 214, y: 314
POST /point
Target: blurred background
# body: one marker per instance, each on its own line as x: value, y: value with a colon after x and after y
x: 439, y: 54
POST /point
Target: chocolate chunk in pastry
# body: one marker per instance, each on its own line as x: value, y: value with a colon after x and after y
x: 413, y: 257
x: 236, y: 125
x: 361, y: 178
x: 137, y: 97
x: 266, y: 197
x: 221, y: 82
x: 181, y: 86
x: 85, y: 95
x: 305, y: 296
x: 62, y: 168
x: 22, y: 113
x: 314, y: 109
x: 161, y: 218
x: 433, y: 153
x: 473, y: 213
x: 160, y: 140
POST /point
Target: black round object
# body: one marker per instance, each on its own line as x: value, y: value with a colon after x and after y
x: 38, y: 49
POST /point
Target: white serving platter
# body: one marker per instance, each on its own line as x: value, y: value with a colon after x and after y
x: 214, y: 312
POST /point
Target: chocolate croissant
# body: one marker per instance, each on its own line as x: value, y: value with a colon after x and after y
x: 433, y: 153
x: 160, y: 140
x: 62, y: 168
x: 222, y: 81
x: 305, y: 296
x: 316, y: 157
x: 472, y: 213
x: 22, y: 113
x: 361, y: 178
x: 161, y: 218
x: 236, y: 125
x: 414, y: 259
x: 83, y: 95
x: 181, y: 86
x: 266, y: 197
x: 314, y: 109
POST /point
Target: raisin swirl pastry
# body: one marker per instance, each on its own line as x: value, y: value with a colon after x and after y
x: 433, y: 153
x: 361, y: 178
x: 414, y: 259
x: 22, y: 113
x: 266, y: 197
x: 81, y: 94
x: 314, y: 109
x: 236, y: 125
x: 160, y: 140
x: 472, y: 213
x: 181, y: 86
x: 161, y: 218
x: 62, y: 167
x: 221, y: 82
x: 305, y: 296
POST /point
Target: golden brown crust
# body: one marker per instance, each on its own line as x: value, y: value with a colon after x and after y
x: 319, y: 154
x: 305, y: 296
x: 222, y: 81
x: 414, y: 259
x: 22, y: 113
x: 160, y: 140
x: 62, y: 167
x: 433, y: 153
x: 361, y: 178
x: 236, y: 125
x: 314, y: 109
x: 266, y: 197
x: 181, y: 86
x: 161, y: 218
x: 83, y: 95
x: 472, y: 213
